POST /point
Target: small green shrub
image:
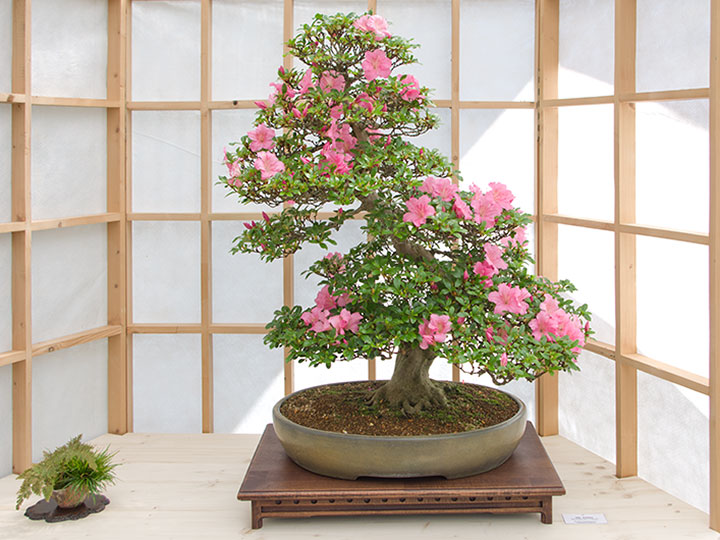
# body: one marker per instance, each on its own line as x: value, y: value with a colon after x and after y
x: 75, y: 465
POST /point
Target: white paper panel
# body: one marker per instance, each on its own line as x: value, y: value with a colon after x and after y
x: 5, y: 420
x: 166, y: 161
x: 498, y: 146
x: 673, y: 164
x: 428, y: 23
x: 673, y: 44
x: 305, y: 10
x: 587, y: 258
x: 69, y: 281
x: 69, y: 395
x: 167, y: 383
x: 585, y: 166
x: 248, y: 382
x: 341, y: 371
x: 5, y: 292
x: 587, y: 33
x: 247, y: 47
x: 440, y: 137
x: 166, y: 272
x: 69, y: 48
x: 5, y: 46
x: 245, y: 289
x: 587, y: 405
x: 227, y: 127
x: 69, y: 162
x: 497, y: 49
x: 673, y: 439
x: 166, y: 51
x: 5, y: 163
x: 672, y: 303
x: 306, y: 289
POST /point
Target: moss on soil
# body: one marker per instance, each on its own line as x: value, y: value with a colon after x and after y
x: 344, y: 408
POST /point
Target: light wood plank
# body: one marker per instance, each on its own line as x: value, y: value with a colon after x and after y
x: 76, y: 102
x: 11, y: 357
x: 79, y: 338
x: 109, y: 217
x: 714, y: 259
x: 495, y: 104
x: 128, y: 210
x: 118, y: 404
x: 574, y: 102
x: 288, y: 262
x: 234, y: 104
x: 163, y: 105
x: 455, y: 107
x: 12, y: 98
x: 579, y: 222
x: 547, y: 57
x: 372, y: 6
x: 21, y: 240
x: 159, y: 328
x: 666, y: 95
x: 12, y: 226
x: 667, y: 372
x: 603, y: 349
x: 163, y: 216
x: 625, y: 252
x: 238, y: 328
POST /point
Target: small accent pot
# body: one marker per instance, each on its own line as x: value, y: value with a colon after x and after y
x: 348, y: 456
x: 69, y: 498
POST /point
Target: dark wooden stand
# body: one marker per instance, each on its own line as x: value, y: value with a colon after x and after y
x: 52, y: 513
x: 277, y: 487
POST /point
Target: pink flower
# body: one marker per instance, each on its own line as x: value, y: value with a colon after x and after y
x: 486, y: 209
x: 339, y: 160
x: 261, y: 104
x: 234, y: 170
x: 426, y: 334
x: 376, y: 65
x: 439, y: 187
x: 549, y: 305
x: 345, y: 321
x: 342, y: 140
x: 494, y: 255
x: 419, y: 210
x: 268, y: 164
x: 365, y: 101
x: 306, y: 82
x: 484, y: 268
x: 461, y: 320
x: 466, y: 276
x: 343, y: 300
x: 462, y: 210
x: 434, y: 331
x: 317, y: 319
x: 518, y: 240
x: 374, y: 24
x: 502, y: 195
x: 262, y: 138
x: 503, y: 360
x: 412, y: 89
x: 509, y: 299
x: 336, y: 112
x: 325, y: 300
x: 329, y: 82
x: 543, y: 325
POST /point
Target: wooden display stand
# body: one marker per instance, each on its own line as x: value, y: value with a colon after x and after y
x: 277, y: 487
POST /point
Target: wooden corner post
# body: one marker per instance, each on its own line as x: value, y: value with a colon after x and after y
x: 288, y: 262
x: 547, y: 20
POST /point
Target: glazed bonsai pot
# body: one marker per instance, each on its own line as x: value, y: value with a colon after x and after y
x: 349, y: 456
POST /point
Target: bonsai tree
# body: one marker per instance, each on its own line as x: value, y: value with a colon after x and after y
x: 444, y: 272
x: 76, y: 467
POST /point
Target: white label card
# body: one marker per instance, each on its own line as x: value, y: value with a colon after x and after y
x: 584, y: 519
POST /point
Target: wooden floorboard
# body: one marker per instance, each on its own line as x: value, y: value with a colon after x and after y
x: 185, y: 486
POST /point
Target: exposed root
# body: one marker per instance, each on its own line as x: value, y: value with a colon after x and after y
x: 410, y: 400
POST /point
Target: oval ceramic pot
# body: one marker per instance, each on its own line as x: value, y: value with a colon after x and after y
x: 348, y: 456
x: 69, y: 498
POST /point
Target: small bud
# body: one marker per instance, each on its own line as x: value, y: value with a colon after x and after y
x: 266, y: 217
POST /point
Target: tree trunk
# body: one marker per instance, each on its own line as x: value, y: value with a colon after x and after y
x: 410, y: 387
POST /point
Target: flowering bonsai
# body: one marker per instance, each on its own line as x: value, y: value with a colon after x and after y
x: 444, y: 272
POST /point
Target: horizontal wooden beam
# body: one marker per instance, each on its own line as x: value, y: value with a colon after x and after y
x: 11, y: 357
x: 630, y: 228
x: 163, y: 105
x: 12, y: 226
x: 234, y: 104
x: 603, y: 349
x: 157, y: 328
x: 668, y: 373
x: 12, y: 98
x: 61, y: 223
x: 78, y: 338
x: 496, y: 104
x: 666, y: 95
x: 574, y: 102
x: 164, y: 216
x: 75, y: 102
x: 240, y: 328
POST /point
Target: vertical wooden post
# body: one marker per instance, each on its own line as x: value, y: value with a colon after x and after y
x: 625, y: 288
x: 715, y: 265
x: 288, y: 262
x: 372, y: 362
x: 455, y: 107
x: 547, y: 19
x: 21, y: 240
x: 372, y: 6
x: 205, y: 223
x: 117, y: 345
x: 128, y: 264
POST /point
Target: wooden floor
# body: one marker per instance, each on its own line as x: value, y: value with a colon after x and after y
x: 185, y: 486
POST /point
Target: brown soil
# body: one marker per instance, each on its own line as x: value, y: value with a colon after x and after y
x: 344, y: 408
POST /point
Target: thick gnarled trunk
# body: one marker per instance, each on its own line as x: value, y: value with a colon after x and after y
x: 410, y: 387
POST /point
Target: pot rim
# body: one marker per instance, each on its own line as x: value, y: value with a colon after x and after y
x: 394, y: 438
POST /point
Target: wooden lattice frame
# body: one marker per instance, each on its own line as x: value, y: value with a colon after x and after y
x: 118, y: 219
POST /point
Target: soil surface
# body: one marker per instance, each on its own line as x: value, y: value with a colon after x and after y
x: 344, y: 408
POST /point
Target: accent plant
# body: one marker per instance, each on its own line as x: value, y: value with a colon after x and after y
x: 444, y: 272
x: 75, y: 466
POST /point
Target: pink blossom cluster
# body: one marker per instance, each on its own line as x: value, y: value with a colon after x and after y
x: 319, y: 319
x: 488, y: 206
x: 434, y: 331
x: 376, y: 65
x: 411, y: 88
x: 234, y: 168
x: 336, y: 262
x: 510, y: 299
x: 553, y: 321
x: 336, y: 152
x: 374, y: 24
x: 440, y: 187
x: 419, y: 209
